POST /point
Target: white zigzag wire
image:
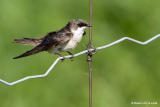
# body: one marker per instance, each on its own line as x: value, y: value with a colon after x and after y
x: 78, y: 54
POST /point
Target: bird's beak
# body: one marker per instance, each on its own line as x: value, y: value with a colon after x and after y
x: 89, y: 25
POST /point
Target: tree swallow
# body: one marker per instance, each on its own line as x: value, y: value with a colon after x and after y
x: 55, y: 42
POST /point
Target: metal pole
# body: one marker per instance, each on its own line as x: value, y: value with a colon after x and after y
x: 89, y: 57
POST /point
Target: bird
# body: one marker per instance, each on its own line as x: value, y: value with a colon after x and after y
x: 55, y: 42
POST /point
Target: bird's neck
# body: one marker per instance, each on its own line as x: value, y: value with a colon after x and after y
x: 78, y: 31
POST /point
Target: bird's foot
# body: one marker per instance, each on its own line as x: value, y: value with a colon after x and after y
x: 62, y: 57
x: 72, y: 56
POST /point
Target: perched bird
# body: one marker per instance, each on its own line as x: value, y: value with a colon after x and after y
x: 55, y: 42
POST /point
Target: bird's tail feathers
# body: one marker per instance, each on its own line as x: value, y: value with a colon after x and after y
x: 29, y: 41
x: 31, y: 52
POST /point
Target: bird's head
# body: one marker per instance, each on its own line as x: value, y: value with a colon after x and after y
x: 78, y: 24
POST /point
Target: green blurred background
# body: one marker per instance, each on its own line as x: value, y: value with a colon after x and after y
x: 123, y: 73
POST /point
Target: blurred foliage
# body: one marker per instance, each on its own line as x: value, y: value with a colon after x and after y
x: 123, y: 73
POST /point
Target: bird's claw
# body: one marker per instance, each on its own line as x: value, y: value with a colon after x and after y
x: 63, y: 58
x: 72, y: 58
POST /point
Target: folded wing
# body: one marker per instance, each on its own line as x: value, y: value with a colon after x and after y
x: 52, y: 39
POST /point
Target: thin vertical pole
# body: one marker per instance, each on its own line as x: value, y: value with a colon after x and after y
x: 89, y: 57
x: 90, y: 84
x: 90, y: 21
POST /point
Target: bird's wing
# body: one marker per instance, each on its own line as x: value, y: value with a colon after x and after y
x: 52, y: 39
x: 62, y: 38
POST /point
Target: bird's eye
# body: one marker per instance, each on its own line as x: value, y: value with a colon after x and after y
x: 82, y: 24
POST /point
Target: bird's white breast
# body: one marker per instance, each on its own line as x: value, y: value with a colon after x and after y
x: 77, y: 37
